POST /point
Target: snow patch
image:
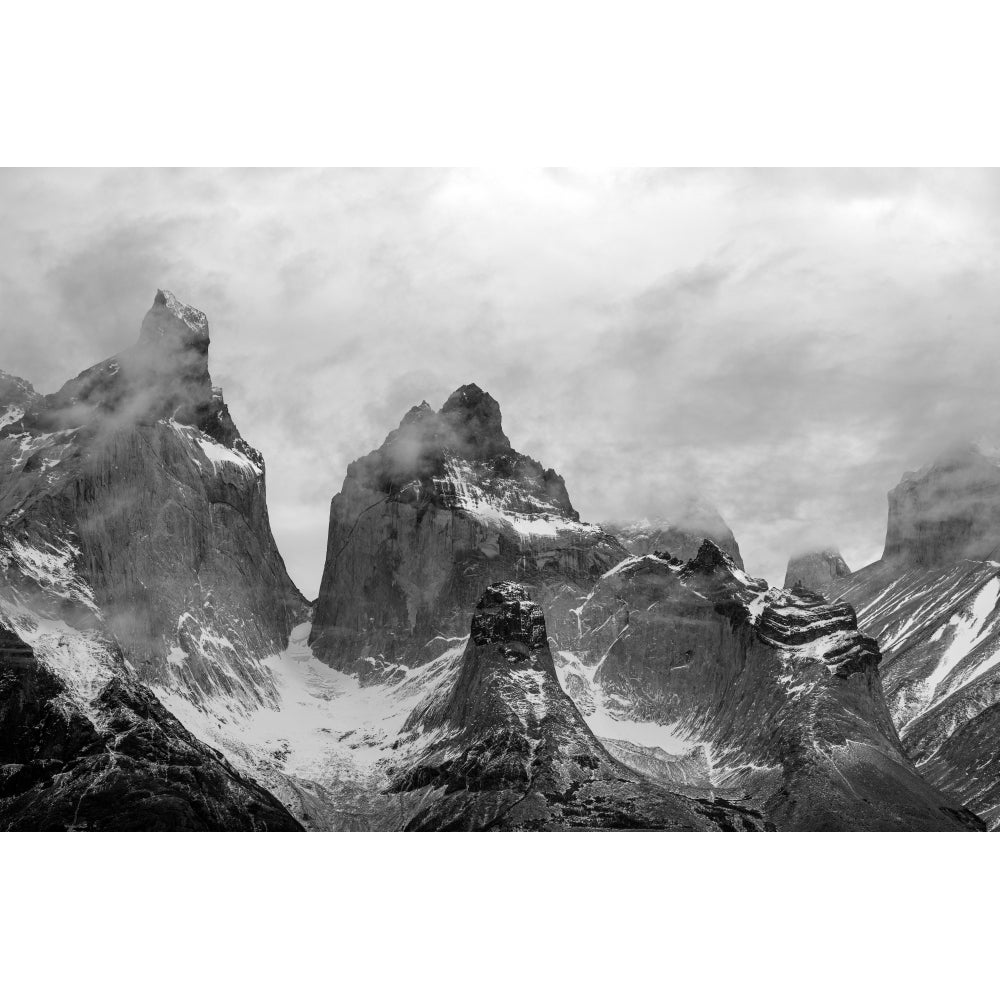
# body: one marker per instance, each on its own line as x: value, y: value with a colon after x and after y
x: 969, y: 631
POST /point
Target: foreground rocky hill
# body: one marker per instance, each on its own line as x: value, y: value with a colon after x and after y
x: 117, y: 761
x: 932, y: 602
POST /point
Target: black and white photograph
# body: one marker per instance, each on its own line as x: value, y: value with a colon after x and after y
x: 412, y: 490
x: 492, y: 504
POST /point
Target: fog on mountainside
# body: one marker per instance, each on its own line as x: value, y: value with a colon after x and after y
x: 784, y: 344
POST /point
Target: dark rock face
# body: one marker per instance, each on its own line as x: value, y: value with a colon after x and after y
x: 816, y: 571
x: 680, y: 531
x: 777, y: 690
x: 510, y: 751
x: 423, y: 525
x: 505, y: 615
x: 129, y: 765
x: 948, y: 511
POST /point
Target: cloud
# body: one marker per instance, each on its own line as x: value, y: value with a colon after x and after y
x: 787, y: 342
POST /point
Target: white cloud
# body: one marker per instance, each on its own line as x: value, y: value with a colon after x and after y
x: 790, y: 342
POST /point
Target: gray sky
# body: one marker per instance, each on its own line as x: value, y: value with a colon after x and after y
x: 788, y: 343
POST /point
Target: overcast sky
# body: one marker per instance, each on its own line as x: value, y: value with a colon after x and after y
x: 787, y: 343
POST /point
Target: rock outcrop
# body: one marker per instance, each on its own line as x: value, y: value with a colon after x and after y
x: 442, y: 510
x: 819, y: 572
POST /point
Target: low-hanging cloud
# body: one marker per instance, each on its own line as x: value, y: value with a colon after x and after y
x: 787, y: 343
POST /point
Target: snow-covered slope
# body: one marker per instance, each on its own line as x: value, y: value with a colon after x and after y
x: 939, y: 630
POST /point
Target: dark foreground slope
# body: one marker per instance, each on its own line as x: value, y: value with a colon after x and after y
x: 123, y: 764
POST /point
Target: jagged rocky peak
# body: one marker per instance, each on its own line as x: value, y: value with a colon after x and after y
x: 164, y: 375
x: 710, y: 558
x: 170, y: 320
x: 466, y: 431
x: 679, y: 528
x: 947, y: 511
x: 504, y: 614
x: 817, y: 571
x: 474, y: 416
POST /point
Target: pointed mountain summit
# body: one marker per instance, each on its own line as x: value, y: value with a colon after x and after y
x: 816, y: 571
x: 474, y: 417
x: 444, y: 508
x: 164, y: 375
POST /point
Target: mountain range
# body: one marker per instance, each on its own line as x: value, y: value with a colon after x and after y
x: 478, y: 657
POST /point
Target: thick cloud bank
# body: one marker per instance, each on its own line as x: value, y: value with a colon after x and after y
x: 788, y: 343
